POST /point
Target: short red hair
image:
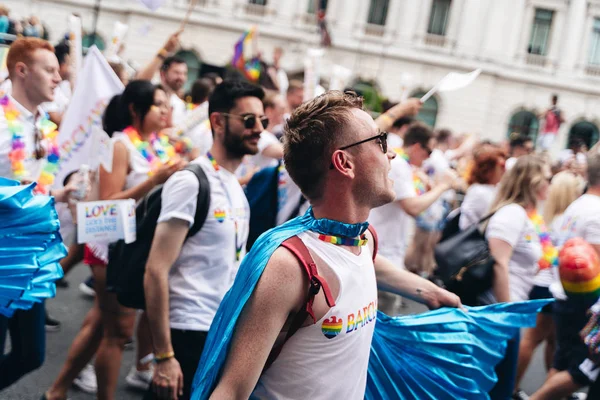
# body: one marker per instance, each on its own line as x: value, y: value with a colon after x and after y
x: 22, y: 50
x: 485, y: 159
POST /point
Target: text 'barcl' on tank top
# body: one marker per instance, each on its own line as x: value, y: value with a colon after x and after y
x: 329, y: 359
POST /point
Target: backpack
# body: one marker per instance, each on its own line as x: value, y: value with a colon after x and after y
x: 262, y: 193
x: 127, y: 262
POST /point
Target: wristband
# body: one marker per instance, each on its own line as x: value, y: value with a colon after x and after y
x: 162, y: 54
x: 387, y: 119
x: 163, y: 356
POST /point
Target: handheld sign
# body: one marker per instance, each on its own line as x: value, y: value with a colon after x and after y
x: 106, y: 221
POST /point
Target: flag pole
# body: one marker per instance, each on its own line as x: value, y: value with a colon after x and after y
x: 185, y: 19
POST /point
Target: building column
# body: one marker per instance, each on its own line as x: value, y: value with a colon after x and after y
x: 576, y: 24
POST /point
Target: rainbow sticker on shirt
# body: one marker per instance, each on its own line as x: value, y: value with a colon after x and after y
x: 220, y: 215
x: 332, y: 327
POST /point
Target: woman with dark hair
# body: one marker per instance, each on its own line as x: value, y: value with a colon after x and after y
x: 488, y: 169
x: 142, y: 159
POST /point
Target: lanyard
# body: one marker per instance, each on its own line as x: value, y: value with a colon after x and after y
x: 238, y: 246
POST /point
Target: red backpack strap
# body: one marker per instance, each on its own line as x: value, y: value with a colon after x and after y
x: 300, y: 251
x: 375, y: 240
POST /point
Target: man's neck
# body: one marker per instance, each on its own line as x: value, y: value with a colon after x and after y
x: 594, y: 190
x: 224, y: 159
x: 339, y: 206
x: 20, y: 96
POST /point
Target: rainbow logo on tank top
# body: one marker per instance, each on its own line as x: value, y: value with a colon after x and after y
x: 332, y: 327
x: 220, y: 215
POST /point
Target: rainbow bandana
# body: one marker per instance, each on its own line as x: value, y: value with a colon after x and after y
x: 163, y: 150
x: 342, y: 241
x: 550, y: 253
x: 18, y: 154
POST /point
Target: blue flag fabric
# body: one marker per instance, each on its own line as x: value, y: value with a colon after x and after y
x: 441, y: 353
x: 30, y: 247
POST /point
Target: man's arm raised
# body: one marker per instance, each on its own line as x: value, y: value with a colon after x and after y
x: 281, y: 291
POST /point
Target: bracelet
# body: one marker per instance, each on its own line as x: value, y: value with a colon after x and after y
x: 162, y: 54
x: 164, y: 356
x: 387, y: 119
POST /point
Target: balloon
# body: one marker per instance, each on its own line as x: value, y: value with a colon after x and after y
x: 579, y: 268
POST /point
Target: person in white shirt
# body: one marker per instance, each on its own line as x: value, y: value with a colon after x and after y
x: 515, y: 245
x: 570, y: 367
x: 488, y: 168
x: 186, y: 280
x: 196, y: 120
x: 520, y: 145
x: 33, y: 71
x: 344, y: 176
x: 564, y: 190
x: 394, y: 221
x: 63, y: 92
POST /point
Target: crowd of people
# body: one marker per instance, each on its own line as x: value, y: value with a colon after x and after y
x: 334, y: 166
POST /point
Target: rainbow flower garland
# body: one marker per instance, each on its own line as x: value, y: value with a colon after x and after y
x: 418, y: 183
x: 342, y: 241
x: 550, y: 253
x: 163, y: 150
x: 18, y: 155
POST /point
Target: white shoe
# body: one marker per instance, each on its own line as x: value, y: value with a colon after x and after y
x: 86, y: 381
x: 85, y: 289
x: 139, y: 379
x: 578, y: 396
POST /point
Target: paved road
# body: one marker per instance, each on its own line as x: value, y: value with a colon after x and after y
x: 70, y: 306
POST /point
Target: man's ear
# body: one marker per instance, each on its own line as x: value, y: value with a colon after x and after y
x: 217, y: 122
x: 21, y: 70
x: 343, y: 163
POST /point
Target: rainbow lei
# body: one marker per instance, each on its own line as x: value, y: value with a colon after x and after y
x: 18, y: 154
x: 418, y: 183
x: 159, y: 143
x: 550, y: 253
x: 342, y: 241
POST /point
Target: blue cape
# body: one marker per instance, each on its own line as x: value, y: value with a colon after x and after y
x: 30, y: 247
x: 446, y: 353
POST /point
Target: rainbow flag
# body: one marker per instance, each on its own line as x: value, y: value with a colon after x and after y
x: 251, y: 68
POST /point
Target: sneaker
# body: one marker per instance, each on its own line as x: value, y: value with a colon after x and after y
x: 86, y: 380
x: 129, y: 345
x: 52, y: 325
x: 87, y: 287
x: 577, y: 396
x: 139, y: 379
x: 62, y: 283
x: 520, y: 395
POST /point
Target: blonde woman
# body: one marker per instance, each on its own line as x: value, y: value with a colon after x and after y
x: 512, y: 234
x: 565, y: 188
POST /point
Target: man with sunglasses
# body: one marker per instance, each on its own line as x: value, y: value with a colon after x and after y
x: 338, y: 157
x: 394, y: 221
x: 186, y: 279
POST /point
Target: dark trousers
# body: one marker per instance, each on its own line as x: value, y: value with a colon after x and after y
x: 506, y: 371
x: 187, y: 346
x: 27, y: 343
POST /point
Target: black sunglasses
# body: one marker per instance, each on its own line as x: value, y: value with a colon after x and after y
x: 382, y: 137
x: 250, y: 120
x: 427, y: 149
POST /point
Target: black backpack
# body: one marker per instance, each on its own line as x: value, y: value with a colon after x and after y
x: 127, y: 262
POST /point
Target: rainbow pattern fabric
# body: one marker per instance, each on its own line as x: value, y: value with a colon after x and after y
x: 342, y: 241
x: 549, y: 252
x: 579, y: 269
x: 163, y: 150
x: 331, y: 327
x: 18, y: 154
x: 250, y: 68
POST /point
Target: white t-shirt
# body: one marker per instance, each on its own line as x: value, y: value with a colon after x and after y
x: 33, y: 167
x: 510, y: 163
x: 547, y: 277
x: 581, y: 219
x: 207, y: 264
x: 511, y: 224
x: 393, y: 225
x: 476, y: 204
x: 196, y: 127
x: 395, y: 142
x: 179, y: 110
x: 259, y: 160
x: 437, y: 162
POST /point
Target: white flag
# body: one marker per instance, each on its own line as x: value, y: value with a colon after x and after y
x: 97, y: 85
x: 75, y: 40
x: 112, y: 51
x: 153, y: 4
x: 452, y: 81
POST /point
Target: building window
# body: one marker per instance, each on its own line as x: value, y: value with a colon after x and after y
x: 312, y: 3
x: 540, y: 32
x: 193, y: 63
x: 91, y: 39
x: 585, y: 131
x: 595, y: 44
x: 438, y: 19
x: 429, y: 110
x: 524, y: 122
x: 378, y: 12
x: 258, y: 2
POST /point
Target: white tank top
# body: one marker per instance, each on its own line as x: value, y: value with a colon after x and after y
x: 138, y: 165
x: 329, y: 359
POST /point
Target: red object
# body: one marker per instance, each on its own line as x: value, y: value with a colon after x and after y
x: 579, y: 266
x: 90, y: 259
